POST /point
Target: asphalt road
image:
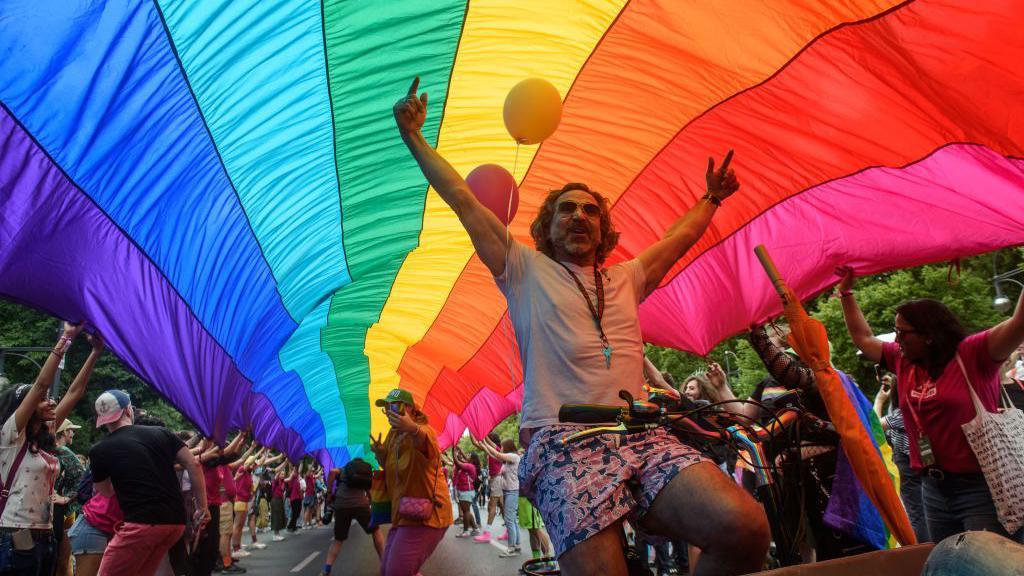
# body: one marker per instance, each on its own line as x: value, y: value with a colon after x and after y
x: 304, y: 553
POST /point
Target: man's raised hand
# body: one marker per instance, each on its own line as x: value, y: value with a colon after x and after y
x: 722, y: 182
x: 411, y: 111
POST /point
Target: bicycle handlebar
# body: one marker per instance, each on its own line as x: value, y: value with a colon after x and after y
x: 607, y: 415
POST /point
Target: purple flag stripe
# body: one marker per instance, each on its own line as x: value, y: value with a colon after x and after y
x: 62, y: 254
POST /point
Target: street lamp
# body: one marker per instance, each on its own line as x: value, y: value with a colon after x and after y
x: 18, y: 351
x: 1001, y: 302
x: 728, y: 369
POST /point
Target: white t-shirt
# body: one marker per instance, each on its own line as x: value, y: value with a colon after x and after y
x: 29, y: 503
x: 559, y: 344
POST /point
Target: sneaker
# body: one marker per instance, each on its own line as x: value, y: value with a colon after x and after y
x: 278, y: 538
x: 485, y: 537
x: 509, y: 553
x: 258, y: 545
x: 463, y: 534
x: 241, y: 554
x: 475, y: 532
x: 503, y: 537
x: 233, y: 569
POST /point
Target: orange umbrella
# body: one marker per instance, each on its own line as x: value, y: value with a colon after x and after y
x: 809, y: 339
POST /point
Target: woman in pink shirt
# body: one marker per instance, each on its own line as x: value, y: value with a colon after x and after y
x: 92, y: 531
x: 277, y: 493
x: 936, y: 362
x: 294, y: 499
x: 465, y: 477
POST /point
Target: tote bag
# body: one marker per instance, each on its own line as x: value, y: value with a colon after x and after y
x: 998, y: 442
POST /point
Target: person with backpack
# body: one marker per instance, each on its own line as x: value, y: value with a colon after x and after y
x: 349, y: 489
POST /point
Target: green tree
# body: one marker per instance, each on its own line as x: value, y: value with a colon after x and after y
x: 23, y: 326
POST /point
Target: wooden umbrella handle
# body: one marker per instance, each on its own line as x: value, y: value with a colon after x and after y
x: 772, y: 271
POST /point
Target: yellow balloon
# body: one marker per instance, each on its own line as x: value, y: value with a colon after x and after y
x: 533, y: 109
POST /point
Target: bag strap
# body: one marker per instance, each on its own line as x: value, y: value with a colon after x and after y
x: 978, y: 406
x: 5, y: 486
x: 1007, y: 401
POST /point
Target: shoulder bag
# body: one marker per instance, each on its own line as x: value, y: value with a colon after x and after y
x: 998, y: 442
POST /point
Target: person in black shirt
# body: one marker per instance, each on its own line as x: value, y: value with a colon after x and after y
x: 136, y: 463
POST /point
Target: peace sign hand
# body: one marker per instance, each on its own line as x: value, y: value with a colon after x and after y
x: 411, y: 111
x: 375, y: 443
x: 722, y: 182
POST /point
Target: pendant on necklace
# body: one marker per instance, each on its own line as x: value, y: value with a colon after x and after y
x: 607, y: 350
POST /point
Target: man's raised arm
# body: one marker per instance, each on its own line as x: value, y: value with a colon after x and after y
x: 483, y: 227
x: 658, y: 258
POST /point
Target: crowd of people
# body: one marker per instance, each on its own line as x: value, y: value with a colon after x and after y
x: 143, y: 500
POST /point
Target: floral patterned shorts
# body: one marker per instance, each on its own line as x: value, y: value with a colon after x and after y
x: 584, y: 487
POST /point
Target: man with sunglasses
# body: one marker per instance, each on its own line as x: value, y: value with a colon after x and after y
x: 577, y: 327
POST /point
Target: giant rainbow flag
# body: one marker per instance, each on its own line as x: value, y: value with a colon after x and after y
x: 220, y: 189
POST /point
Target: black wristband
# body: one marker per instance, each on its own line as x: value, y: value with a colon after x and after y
x: 712, y: 198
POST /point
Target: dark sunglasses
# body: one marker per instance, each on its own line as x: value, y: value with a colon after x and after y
x: 570, y: 207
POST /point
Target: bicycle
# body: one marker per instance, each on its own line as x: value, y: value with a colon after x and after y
x: 702, y: 426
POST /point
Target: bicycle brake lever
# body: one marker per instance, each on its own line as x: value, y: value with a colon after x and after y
x: 583, y: 434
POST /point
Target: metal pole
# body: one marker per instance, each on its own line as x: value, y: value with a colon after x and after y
x: 55, y: 387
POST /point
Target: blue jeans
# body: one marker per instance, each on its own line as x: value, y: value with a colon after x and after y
x: 476, y: 511
x: 974, y: 553
x: 958, y: 503
x: 511, y: 515
x: 662, y: 555
x: 23, y: 562
x: 910, y: 494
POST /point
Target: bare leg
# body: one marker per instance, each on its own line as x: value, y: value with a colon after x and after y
x: 333, y: 551
x: 252, y: 527
x: 378, y: 541
x: 492, y: 509
x: 64, y: 556
x: 236, y: 529
x: 534, y: 542
x: 706, y: 508
x: 87, y: 564
x: 545, y: 542
x: 599, y: 554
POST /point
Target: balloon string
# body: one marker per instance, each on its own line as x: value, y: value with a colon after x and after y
x: 508, y: 246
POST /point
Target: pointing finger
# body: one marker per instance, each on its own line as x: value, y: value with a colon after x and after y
x: 415, y: 85
x: 725, y: 163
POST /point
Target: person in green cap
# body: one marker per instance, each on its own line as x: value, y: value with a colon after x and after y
x: 421, y: 510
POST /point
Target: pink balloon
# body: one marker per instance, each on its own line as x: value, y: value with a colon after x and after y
x: 491, y: 184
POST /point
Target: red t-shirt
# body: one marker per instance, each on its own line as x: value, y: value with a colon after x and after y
x: 310, y: 485
x: 464, y: 476
x: 943, y: 405
x: 227, y: 480
x: 294, y: 489
x: 277, y: 488
x: 243, y: 486
x: 213, y: 481
x: 493, y: 466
